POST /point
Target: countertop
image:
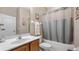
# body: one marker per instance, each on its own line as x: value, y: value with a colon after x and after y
x: 8, y: 44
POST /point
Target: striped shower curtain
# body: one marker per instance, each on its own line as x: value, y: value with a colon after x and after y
x: 58, y: 28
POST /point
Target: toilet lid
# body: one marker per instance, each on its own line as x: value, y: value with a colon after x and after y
x: 45, y: 45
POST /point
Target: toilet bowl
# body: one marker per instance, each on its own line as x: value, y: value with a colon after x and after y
x: 45, y: 46
x: 48, y: 45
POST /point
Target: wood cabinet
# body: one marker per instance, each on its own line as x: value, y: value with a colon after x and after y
x: 32, y: 46
x: 22, y: 48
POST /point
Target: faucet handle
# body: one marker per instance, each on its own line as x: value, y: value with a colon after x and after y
x: 19, y: 37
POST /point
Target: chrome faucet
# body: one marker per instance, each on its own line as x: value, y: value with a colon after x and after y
x: 1, y: 40
x: 19, y: 37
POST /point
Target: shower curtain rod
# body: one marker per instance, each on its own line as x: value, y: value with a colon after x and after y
x: 56, y: 10
x: 62, y: 8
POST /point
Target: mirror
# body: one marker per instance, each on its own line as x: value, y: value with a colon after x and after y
x: 7, y: 21
x: 13, y: 21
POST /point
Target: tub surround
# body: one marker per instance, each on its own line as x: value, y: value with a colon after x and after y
x: 13, y: 43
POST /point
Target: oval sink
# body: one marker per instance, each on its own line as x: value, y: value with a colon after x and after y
x: 18, y: 41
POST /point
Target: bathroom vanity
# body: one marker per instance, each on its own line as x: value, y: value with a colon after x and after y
x: 26, y: 43
x: 31, y: 46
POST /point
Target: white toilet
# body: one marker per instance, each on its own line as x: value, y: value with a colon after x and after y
x: 45, y: 46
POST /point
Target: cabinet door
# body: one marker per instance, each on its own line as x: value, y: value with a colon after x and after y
x: 27, y: 47
x: 22, y: 48
x: 34, y: 45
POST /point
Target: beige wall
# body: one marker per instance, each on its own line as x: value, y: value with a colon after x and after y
x: 76, y: 29
x: 23, y: 18
x: 33, y: 11
x: 76, y: 33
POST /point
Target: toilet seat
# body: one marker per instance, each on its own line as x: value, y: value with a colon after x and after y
x: 45, y: 45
